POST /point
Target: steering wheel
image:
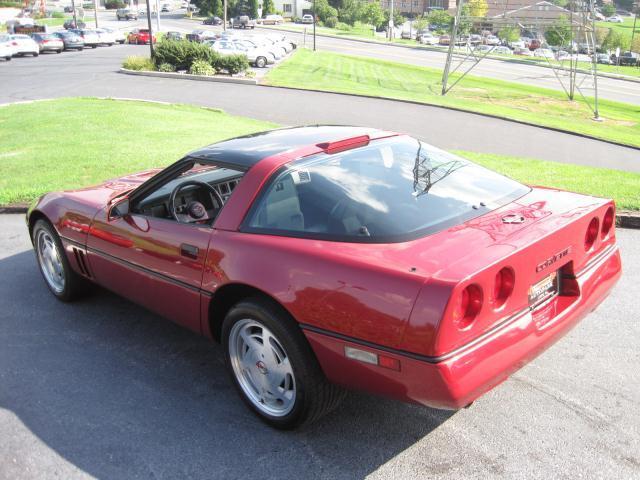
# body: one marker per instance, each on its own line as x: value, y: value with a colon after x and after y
x: 194, y: 211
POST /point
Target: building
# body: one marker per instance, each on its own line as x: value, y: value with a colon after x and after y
x: 412, y: 8
x: 293, y: 8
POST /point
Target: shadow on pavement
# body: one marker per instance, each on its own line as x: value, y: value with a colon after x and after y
x: 121, y: 393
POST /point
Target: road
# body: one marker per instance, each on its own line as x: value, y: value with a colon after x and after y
x: 608, y: 88
x: 94, y: 73
x: 104, y: 389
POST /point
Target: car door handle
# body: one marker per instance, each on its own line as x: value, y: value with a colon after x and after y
x: 189, y: 251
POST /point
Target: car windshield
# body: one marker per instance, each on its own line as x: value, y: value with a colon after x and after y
x: 388, y: 191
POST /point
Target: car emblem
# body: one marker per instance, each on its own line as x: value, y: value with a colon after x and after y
x: 552, y: 259
x: 513, y: 218
x: 262, y: 367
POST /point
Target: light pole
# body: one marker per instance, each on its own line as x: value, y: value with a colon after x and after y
x: 314, y: 25
x: 150, y: 31
x: 157, y: 16
x: 75, y: 18
x: 224, y: 21
x: 391, y: 20
x: 95, y: 11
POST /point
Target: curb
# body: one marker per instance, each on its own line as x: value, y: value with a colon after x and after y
x: 188, y: 76
x: 462, y: 110
x: 615, y: 76
x: 623, y: 219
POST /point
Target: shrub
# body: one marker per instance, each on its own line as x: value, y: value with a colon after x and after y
x: 232, y: 63
x: 138, y: 63
x: 201, y: 67
x: 166, y: 67
x: 114, y: 4
x: 57, y: 15
x: 182, y: 54
x: 343, y: 26
x: 331, y: 22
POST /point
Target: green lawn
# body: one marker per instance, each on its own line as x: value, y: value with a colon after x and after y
x: 623, y: 187
x: 88, y: 140
x: 359, y: 75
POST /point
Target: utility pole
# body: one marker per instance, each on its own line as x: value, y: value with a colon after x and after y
x: 314, y: 25
x: 224, y: 21
x: 635, y: 18
x: 391, y: 20
x: 452, y: 42
x: 150, y: 31
x: 75, y: 18
x: 95, y: 11
x: 157, y: 16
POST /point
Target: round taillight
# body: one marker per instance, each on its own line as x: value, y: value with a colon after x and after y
x: 592, y: 233
x: 503, y: 286
x: 469, y: 305
x: 607, y: 222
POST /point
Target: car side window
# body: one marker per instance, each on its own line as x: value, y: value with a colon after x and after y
x: 280, y: 209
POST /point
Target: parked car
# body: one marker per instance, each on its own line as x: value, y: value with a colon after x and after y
x: 307, y: 18
x: 483, y: 48
x: 615, y: 19
x: 523, y: 52
x: 444, y: 40
x: 117, y: 35
x: 323, y: 256
x: 106, y: 38
x: 243, y: 21
x: 166, y: 7
x: 70, y: 40
x: 140, y: 36
x: 604, y: 58
x: 629, y: 58
x: 126, y: 14
x: 6, y: 48
x: 68, y: 9
x: 212, y: 21
x: 502, y: 51
x: 24, y: 45
x: 89, y: 37
x: 71, y: 25
x: 201, y: 35
x: 491, y: 40
x: 260, y: 42
x: 48, y: 42
x: 475, y: 39
x: 428, y: 38
x: 258, y: 56
x: 544, y: 53
x: 408, y: 34
x: 272, y: 19
x: 173, y: 36
x: 534, y: 44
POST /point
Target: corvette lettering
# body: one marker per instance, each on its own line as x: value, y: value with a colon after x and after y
x: 553, y: 259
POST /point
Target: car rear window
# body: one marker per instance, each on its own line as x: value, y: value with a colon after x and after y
x: 391, y: 190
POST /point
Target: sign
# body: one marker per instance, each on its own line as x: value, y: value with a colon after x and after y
x: 29, y: 29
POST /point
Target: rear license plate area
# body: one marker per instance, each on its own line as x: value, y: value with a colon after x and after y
x: 544, y: 290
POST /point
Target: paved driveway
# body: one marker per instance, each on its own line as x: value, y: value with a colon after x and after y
x: 102, y: 388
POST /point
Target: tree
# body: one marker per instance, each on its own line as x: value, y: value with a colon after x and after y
x: 440, y: 19
x: 614, y: 40
x: 323, y: 10
x: 601, y: 35
x: 560, y: 3
x: 268, y: 7
x: 608, y: 9
x: 478, y: 8
x: 560, y: 32
x: 253, y: 8
x: 350, y: 11
x: 509, y: 34
x: 372, y: 14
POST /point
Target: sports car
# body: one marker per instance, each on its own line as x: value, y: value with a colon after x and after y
x: 326, y: 257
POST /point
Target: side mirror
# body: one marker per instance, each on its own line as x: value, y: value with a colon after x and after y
x: 119, y: 209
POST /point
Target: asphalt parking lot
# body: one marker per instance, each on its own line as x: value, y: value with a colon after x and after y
x: 102, y: 388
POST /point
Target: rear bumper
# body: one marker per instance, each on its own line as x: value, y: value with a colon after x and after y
x: 455, y: 380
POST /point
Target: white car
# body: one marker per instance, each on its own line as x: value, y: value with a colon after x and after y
x: 428, y: 39
x: 518, y: 44
x: 615, y: 19
x: 268, y: 45
x: 258, y: 56
x: 307, y: 18
x: 502, y: 51
x: 544, y: 53
x: 118, y: 35
x: 106, y: 37
x: 6, y: 49
x: 24, y: 44
x: 491, y: 40
x: 272, y: 20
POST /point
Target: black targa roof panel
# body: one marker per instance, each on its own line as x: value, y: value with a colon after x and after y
x: 244, y: 152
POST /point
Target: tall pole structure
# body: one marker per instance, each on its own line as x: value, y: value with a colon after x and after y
x: 391, y: 20
x: 95, y: 11
x: 224, y: 20
x: 157, y: 16
x: 452, y: 42
x: 75, y: 18
x: 314, y: 25
x: 596, y: 114
x: 150, y: 31
x: 635, y: 18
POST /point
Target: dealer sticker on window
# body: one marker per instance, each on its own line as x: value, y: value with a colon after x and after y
x: 544, y: 289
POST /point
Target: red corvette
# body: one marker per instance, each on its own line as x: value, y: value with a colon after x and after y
x: 140, y: 36
x: 323, y: 257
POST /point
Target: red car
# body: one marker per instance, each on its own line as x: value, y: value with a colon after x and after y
x: 323, y: 257
x: 140, y: 36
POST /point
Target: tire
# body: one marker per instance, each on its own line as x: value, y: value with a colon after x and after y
x: 8, y: 59
x: 63, y: 282
x: 302, y: 393
x: 59, y: 51
x: 94, y: 46
x: 261, y: 62
x: 35, y: 54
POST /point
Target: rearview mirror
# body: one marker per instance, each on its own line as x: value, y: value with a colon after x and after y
x: 120, y: 209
